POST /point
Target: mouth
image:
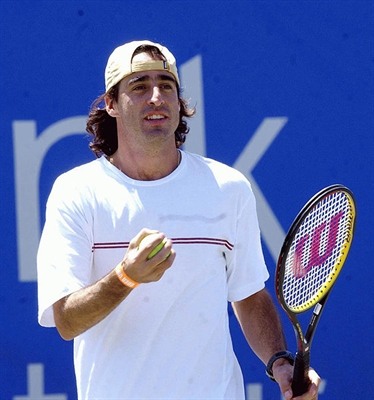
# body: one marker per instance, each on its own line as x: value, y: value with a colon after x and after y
x: 155, y: 117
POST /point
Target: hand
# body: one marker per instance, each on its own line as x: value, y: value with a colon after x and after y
x: 141, y: 269
x: 283, y: 372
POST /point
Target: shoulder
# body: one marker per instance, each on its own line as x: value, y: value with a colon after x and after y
x: 222, y: 173
x: 77, y: 182
x: 83, y: 174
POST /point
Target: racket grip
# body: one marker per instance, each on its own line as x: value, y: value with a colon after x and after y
x: 300, y: 380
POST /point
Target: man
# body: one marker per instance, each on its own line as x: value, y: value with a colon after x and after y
x: 155, y: 328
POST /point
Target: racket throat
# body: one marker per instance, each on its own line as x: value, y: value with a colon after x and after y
x: 313, y: 323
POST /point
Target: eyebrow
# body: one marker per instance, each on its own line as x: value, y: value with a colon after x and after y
x: 161, y: 77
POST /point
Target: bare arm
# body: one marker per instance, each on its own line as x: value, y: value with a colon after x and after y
x: 261, y: 324
x: 262, y: 327
x: 81, y: 310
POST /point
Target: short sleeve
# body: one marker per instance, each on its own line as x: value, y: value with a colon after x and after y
x: 246, y: 268
x: 65, y: 250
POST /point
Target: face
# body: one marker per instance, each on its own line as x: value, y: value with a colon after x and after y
x: 147, y: 109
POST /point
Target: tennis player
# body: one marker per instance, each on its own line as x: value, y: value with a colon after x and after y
x: 155, y: 328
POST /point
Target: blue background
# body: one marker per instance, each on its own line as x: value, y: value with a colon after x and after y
x: 309, y: 61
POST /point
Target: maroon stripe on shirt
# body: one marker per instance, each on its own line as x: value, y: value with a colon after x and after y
x: 190, y: 240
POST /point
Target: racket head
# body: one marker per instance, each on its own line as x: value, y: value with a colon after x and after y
x: 315, y: 249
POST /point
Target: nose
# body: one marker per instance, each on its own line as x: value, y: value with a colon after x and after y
x: 156, y: 98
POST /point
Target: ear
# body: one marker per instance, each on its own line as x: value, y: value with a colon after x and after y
x: 110, y: 106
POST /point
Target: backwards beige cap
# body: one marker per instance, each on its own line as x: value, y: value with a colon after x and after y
x: 120, y: 63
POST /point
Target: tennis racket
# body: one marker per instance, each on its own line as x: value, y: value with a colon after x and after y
x: 311, y: 258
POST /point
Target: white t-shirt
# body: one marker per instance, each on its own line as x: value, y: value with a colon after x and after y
x: 168, y: 339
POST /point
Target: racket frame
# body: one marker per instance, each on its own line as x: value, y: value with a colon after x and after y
x: 302, y: 360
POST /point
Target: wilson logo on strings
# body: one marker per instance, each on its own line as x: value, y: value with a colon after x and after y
x: 312, y: 250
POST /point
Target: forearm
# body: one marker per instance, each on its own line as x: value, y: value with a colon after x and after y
x: 261, y: 324
x: 83, y: 309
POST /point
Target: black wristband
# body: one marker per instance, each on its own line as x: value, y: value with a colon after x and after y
x: 281, y: 354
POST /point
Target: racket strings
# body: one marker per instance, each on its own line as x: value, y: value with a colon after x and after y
x: 316, y: 251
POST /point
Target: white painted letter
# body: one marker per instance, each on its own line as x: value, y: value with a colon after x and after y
x: 29, y: 152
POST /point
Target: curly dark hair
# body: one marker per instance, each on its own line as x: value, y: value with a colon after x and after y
x: 103, y: 127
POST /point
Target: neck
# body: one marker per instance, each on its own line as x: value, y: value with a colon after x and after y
x: 146, y: 167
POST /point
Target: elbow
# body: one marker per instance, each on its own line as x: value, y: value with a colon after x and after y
x: 64, y: 329
x: 61, y: 321
x: 65, y: 333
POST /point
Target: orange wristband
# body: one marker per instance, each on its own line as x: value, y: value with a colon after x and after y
x: 124, y: 278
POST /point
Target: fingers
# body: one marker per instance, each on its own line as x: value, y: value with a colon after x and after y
x: 135, y: 241
x: 137, y: 264
x: 315, y: 380
x: 312, y: 393
x: 283, y: 375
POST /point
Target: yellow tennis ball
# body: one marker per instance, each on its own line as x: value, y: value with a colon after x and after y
x: 146, y: 240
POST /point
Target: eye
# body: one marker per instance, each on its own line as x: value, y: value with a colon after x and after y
x: 139, y: 88
x: 167, y: 86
